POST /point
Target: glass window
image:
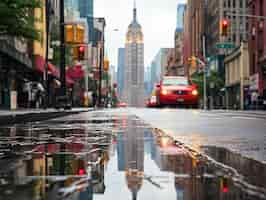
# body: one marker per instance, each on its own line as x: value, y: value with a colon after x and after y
x: 175, y: 81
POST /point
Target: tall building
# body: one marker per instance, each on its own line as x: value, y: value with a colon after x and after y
x: 134, y: 64
x: 120, y: 71
x: 196, y: 14
x: 159, y: 64
x: 180, y: 16
x: 177, y: 67
x: 257, y: 47
x: 86, y: 9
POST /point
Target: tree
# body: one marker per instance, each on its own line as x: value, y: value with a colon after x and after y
x: 213, y: 78
x: 17, y: 19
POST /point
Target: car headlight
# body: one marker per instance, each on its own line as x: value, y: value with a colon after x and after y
x: 164, y: 92
x: 195, y: 92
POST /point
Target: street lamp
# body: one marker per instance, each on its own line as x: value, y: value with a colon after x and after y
x: 45, y: 73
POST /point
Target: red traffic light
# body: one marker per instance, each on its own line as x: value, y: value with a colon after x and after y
x: 224, y: 27
x: 224, y: 185
x: 82, y: 172
x: 81, y: 52
x: 225, y: 23
x: 81, y: 49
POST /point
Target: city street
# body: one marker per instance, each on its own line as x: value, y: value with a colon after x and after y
x: 119, y: 153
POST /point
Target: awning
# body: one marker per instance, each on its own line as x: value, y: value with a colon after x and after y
x: 53, y: 70
x: 75, y: 72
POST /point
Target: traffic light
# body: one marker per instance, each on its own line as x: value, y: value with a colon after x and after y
x: 193, y: 62
x: 224, y: 27
x: 75, y: 34
x: 81, y: 52
x: 106, y: 65
x: 224, y: 185
x: 80, y: 34
x: 69, y: 33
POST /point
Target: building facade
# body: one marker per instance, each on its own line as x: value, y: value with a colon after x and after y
x: 257, y: 47
x: 237, y: 74
x: 133, y: 92
x: 178, y: 66
x: 160, y: 63
x: 120, y: 71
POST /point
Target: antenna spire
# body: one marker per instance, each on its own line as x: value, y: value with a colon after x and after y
x: 135, y: 11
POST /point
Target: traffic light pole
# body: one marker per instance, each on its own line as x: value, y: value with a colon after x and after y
x: 204, y: 73
x: 101, y: 67
x: 45, y: 73
x: 62, y: 50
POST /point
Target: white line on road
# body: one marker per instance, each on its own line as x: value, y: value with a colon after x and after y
x: 252, y: 118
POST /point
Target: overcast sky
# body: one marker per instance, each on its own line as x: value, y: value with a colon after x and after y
x: 157, y: 17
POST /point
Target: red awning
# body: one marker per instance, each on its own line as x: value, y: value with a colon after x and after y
x: 53, y: 70
x: 75, y: 72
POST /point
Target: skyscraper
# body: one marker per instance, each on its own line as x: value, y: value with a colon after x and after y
x: 133, y: 92
x: 180, y: 17
x: 120, y: 71
x: 86, y: 10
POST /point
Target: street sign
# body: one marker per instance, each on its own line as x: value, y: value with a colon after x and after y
x: 225, y: 46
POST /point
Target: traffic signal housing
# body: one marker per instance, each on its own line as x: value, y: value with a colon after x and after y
x: 193, y: 62
x: 81, y: 52
x: 224, y: 27
x: 70, y: 35
x: 106, y: 65
x: 224, y: 185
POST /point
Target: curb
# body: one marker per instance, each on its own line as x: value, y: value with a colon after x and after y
x: 34, y: 117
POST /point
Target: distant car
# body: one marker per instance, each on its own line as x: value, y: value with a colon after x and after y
x: 121, y: 104
x: 177, y: 90
x: 151, y: 102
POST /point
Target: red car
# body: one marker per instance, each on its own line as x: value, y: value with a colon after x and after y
x: 176, y: 90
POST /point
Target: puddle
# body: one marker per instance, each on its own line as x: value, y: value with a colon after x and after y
x: 117, y: 156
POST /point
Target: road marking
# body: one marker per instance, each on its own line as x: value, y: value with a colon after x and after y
x: 253, y: 118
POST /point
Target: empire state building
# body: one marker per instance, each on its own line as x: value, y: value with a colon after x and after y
x: 134, y: 64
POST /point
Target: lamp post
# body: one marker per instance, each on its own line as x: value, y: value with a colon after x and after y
x: 62, y: 52
x: 45, y: 73
x: 102, y: 41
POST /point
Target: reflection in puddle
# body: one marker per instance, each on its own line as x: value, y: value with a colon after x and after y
x: 116, y: 156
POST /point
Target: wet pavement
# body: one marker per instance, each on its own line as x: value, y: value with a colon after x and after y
x: 115, y: 155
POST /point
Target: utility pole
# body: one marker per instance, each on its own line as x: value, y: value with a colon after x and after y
x: 204, y: 73
x: 62, y: 51
x: 101, y: 62
x: 45, y: 73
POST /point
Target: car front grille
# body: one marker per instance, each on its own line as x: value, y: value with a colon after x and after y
x: 180, y: 92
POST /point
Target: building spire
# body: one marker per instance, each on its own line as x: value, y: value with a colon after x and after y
x: 135, y: 12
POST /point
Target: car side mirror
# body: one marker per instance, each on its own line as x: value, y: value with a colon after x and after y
x: 158, y: 85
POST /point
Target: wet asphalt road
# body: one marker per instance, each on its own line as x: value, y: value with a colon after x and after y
x: 114, y: 154
x: 244, y: 133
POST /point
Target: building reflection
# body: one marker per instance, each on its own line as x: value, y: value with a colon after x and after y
x: 197, y: 180
x: 48, y: 167
x: 130, y: 149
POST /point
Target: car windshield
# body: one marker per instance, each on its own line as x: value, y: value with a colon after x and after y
x: 175, y: 82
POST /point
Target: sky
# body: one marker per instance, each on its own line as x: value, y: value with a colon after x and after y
x: 157, y: 18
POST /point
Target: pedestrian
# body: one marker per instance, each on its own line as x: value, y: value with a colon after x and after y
x: 254, y: 99
x: 94, y: 99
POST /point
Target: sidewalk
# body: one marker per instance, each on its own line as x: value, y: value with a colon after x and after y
x: 8, y: 117
x: 239, y: 113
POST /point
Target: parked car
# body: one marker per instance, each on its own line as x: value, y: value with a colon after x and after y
x: 151, y: 102
x: 121, y: 105
x: 177, y: 90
